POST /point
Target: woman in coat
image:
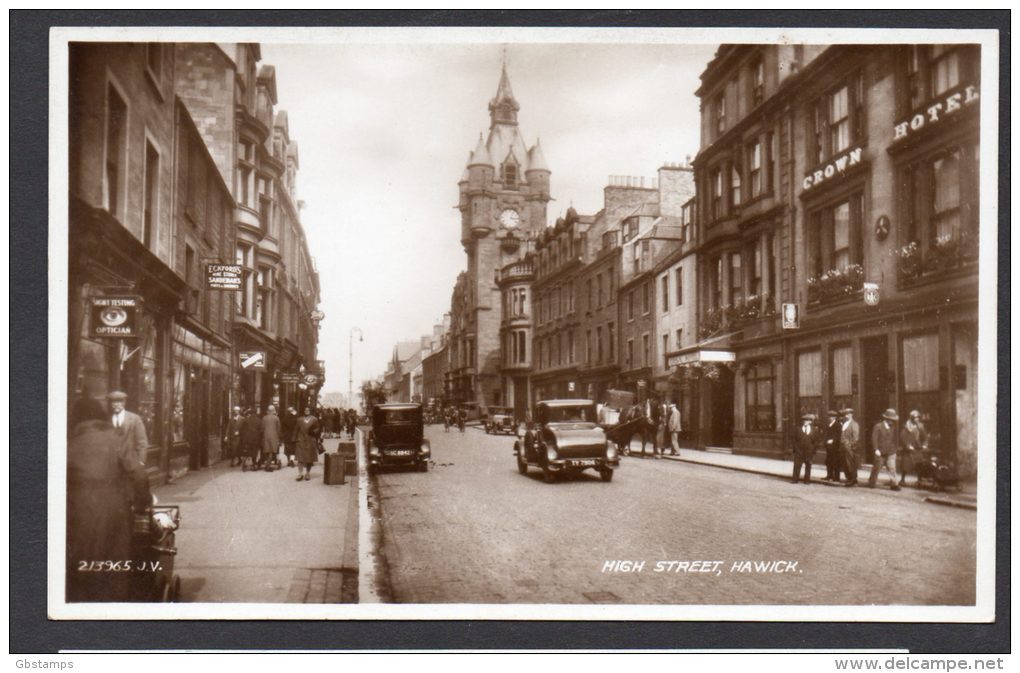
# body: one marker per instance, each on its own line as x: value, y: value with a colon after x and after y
x: 103, y: 483
x: 271, y: 435
x: 307, y: 433
x: 251, y: 438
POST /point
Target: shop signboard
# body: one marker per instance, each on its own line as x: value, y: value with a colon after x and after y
x: 253, y: 359
x: 224, y: 277
x: 311, y: 380
x: 289, y: 377
x: 871, y: 294
x: 114, y: 317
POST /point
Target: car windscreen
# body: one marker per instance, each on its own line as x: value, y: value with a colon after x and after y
x: 398, y: 416
x: 580, y: 414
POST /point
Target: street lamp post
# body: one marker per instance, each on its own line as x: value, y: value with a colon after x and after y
x: 350, y: 362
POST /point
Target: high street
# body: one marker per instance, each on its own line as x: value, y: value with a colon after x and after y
x: 473, y: 530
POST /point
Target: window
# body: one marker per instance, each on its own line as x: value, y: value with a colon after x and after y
x: 151, y: 196
x: 646, y: 350
x: 679, y: 286
x: 836, y: 236
x: 611, y: 275
x: 934, y: 70
x: 841, y: 376
x: 717, y: 194
x: 679, y: 339
x: 611, y: 336
x: 570, y: 297
x: 758, y: 81
x: 809, y: 382
x: 665, y: 349
x: 630, y: 305
x: 665, y: 294
x: 589, y: 286
x: 266, y: 205
x: 943, y: 202
x: 921, y: 363
x: 945, y: 217
x: 838, y: 120
x: 246, y: 258
x: 587, y: 347
x: 510, y: 175
x: 522, y: 347
x: 754, y: 169
x: 759, y: 407
x: 246, y: 174
x: 600, y: 290
x: 687, y: 220
x: 630, y: 353
x: 646, y: 300
x: 598, y: 344
x: 720, y: 114
x: 756, y: 267
x: 736, y: 279
x: 570, y: 345
x: 717, y: 286
x: 945, y: 68
x: 116, y: 152
x: 735, y: 185
x: 632, y: 229
x: 263, y: 306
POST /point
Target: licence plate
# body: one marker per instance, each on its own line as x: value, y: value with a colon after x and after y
x: 591, y: 462
x: 399, y: 452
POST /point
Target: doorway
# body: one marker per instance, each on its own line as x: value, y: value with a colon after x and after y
x: 722, y: 408
x: 877, y: 389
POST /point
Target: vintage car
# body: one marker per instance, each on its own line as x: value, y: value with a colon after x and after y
x: 565, y: 439
x: 397, y: 437
x: 501, y: 419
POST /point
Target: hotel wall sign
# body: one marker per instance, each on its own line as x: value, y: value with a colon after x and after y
x: 837, y: 166
x: 114, y: 317
x: 937, y: 112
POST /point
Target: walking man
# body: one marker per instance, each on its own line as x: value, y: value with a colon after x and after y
x: 234, y: 437
x: 674, y: 429
x: 288, y: 425
x: 271, y: 431
x: 913, y: 443
x: 849, y: 440
x: 805, y: 443
x: 129, y: 427
x: 831, y: 436
x: 884, y: 441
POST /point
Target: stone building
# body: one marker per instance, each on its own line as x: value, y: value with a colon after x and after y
x: 847, y: 202
x: 504, y: 191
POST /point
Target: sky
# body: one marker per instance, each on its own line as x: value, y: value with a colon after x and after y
x: 384, y: 132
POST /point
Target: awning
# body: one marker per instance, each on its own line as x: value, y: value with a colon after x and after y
x: 713, y: 349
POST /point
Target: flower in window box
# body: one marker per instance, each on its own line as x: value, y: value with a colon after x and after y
x: 908, y: 259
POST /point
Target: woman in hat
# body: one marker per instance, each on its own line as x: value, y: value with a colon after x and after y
x: 103, y: 483
x: 885, y: 444
x: 913, y: 440
x: 307, y: 433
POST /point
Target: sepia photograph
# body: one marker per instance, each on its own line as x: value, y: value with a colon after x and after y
x: 523, y: 323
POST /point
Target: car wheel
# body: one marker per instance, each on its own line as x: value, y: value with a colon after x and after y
x: 522, y: 465
x: 423, y: 466
x: 606, y: 474
x: 549, y: 476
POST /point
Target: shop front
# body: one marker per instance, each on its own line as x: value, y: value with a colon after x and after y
x: 201, y: 399
x: 702, y: 381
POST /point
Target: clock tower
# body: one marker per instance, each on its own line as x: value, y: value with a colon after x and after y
x: 504, y: 192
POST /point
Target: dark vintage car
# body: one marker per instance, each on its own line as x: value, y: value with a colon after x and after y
x: 501, y: 419
x: 565, y: 439
x: 397, y: 437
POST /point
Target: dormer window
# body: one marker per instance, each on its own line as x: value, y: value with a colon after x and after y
x: 509, y: 175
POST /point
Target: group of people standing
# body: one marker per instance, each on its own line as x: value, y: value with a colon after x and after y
x: 841, y: 437
x: 337, y: 421
x: 657, y: 422
x: 454, y: 416
x: 254, y: 441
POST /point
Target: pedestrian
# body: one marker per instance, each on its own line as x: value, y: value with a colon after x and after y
x: 105, y: 480
x: 849, y: 440
x: 830, y: 436
x: 129, y: 426
x: 652, y: 414
x: 462, y: 415
x: 913, y: 443
x: 805, y: 443
x: 885, y: 443
x: 272, y: 430
x: 288, y: 425
x: 446, y: 419
x: 251, y: 439
x: 233, y: 439
x: 674, y: 429
x: 307, y: 433
x: 352, y: 423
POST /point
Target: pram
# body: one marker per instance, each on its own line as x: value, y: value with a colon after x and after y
x: 153, y: 546
x: 937, y: 472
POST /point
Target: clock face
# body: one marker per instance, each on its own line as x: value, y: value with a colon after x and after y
x: 509, y: 218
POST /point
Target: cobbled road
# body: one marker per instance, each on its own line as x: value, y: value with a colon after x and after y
x: 473, y: 530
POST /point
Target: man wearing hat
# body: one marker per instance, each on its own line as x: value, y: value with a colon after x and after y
x: 885, y: 443
x: 805, y: 443
x: 849, y: 440
x: 129, y: 427
x: 830, y: 436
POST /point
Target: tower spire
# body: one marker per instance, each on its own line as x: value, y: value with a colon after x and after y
x: 503, y: 107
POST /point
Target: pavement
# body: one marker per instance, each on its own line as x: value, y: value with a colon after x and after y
x: 263, y: 537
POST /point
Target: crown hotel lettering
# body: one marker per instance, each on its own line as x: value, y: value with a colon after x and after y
x: 851, y: 158
x: 935, y: 113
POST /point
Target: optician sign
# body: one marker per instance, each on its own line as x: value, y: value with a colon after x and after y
x: 837, y: 166
x: 223, y: 277
x: 937, y: 112
x: 114, y: 317
x: 253, y: 359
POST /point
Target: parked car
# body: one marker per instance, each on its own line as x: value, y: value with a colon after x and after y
x: 565, y: 439
x: 397, y: 437
x: 501, y: 419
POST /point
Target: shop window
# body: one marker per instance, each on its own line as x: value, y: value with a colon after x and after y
x: 759, y: 398
x: 809, y: 382
x: 841, y: 376
x: 921, y: 363
x: 116, y: 152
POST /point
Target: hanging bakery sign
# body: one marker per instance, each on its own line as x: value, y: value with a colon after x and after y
x: 114, y: 317
x: 937, y: 112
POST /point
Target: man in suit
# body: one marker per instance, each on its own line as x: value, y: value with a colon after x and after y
x: 849, y: 440
x: 271, y: 434
x: 674, y: 429
x: 234, y: 436
x: 830, y: 436
x: 886, y: 443
x: 128, y: 426
x: 805, y: 443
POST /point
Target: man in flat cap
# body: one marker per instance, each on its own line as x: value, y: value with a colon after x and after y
x: 830, y: 436
x: 805, y: 443
x: 885, y: 444
x: 849, y: 440
x: 128, y: 426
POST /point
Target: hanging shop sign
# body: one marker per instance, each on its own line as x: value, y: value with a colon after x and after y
x: 253, y: 359
x: 224, y: 277
x: 937, y: 112
x: 115, y: 317
x: 288, y: 377
x: 791, y: 316
x: 310, y: 380
x: 837, y: 166
x: 871, y: 294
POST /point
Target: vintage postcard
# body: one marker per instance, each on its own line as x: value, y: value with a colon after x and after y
x: 523, y: 323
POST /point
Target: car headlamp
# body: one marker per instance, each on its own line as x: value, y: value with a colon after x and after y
x: 550, y: 452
